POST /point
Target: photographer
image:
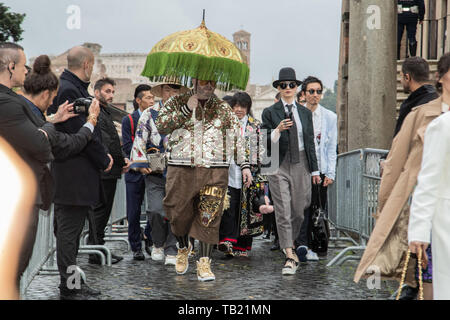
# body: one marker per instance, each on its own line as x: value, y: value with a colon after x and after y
x: 104, y: 93
x: 41, y: 86
x: 77, y: 178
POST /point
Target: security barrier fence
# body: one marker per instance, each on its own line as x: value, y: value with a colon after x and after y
x: 352, y: 200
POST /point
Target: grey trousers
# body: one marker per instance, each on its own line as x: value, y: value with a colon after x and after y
x: 162, y: 235
x: 291, y: 193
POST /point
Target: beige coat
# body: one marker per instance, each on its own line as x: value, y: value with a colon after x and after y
x: 388, y: 242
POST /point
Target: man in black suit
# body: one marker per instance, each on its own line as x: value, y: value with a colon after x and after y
x: 77, y: 178
x: 104, y: 92
x: 135, y: 181
x: 19, y: 127
x: 290, y: 125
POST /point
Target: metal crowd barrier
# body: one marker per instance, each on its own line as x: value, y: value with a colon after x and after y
x: 43, y: 250
x: 352, y: 200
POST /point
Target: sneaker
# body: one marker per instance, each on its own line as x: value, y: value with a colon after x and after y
x: 302, y: 251
x: 204, y: 270
x: 182, y: 262
x: 138, y: 255
x: 238, y: 253
x: 157, y: 254
x: 312, y: 256
x: 226, y: 247
x: 290, y: 267
x: 170, y: 260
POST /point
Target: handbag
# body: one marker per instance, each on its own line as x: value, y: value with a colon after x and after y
x: 405, y: 268
x: 156, y: 160
x: 320, y: 227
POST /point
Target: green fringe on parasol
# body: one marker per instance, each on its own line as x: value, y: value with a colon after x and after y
x: 228, y: 74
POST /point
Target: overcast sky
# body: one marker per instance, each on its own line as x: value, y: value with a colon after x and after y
x: 303, y: 34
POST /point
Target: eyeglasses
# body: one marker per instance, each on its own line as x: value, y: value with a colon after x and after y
x: 312, y: 91
x: 28, y: 68
x: 284, y: 85
x: 205, y: 82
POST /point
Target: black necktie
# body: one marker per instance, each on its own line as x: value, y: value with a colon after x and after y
x: 293, y: 139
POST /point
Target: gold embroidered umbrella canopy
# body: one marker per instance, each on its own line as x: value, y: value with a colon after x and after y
x: 198, y: 53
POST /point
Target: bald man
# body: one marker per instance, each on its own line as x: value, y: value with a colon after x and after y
x: 77, y: 178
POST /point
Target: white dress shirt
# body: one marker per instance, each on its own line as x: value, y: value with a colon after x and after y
x: 317, y: 124
x: 235, y: 173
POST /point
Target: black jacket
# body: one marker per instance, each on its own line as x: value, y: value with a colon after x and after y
x: 272, y: 117
x: 77, y: 178
x: 19, y: 127
x: 111, y: 141
x: 422, y: 95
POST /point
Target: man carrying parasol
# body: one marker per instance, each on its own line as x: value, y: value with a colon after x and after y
x: 204, y: 135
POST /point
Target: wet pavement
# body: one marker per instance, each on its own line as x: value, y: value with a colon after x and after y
x: 257, y: 277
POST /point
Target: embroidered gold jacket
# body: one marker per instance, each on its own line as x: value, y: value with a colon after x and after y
x: 207, y: 137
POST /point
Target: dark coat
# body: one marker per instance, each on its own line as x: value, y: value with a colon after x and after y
x: 19, y: 127
x: 127, y: 140
x: 272, y: 117
x: 422, y: 95
x: 111, y: 141
x: 77, y: 178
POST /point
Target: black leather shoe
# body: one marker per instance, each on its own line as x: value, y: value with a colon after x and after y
x: 94, y: 259
x: 138, y: 255
x: 408, y: 293
x: 67, y: 294
x: 88, y: 291
x: 115, y: 259
x: 275, y: 246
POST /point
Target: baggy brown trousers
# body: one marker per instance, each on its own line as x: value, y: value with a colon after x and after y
x: 194, y: 201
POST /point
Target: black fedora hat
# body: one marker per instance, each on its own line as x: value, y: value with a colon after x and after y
x: 286, y: 74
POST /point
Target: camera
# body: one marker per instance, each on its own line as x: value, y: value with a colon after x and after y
x: 81, y: 105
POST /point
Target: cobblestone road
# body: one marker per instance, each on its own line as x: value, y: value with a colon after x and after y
x: 257, y: 277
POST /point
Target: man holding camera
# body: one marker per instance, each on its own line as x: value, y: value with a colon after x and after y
x: 104, y: 93
x: 290, y: 125
x: 77, y: 178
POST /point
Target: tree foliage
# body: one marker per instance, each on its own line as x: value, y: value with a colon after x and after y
x: 10, y: 24
x: 329, y: 99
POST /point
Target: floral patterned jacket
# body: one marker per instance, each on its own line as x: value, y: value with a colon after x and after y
x: 146, y: 135
x: 207, y: 137
x: 250, y: 219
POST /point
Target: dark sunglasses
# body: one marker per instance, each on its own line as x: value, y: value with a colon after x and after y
x: 205, y: 82
x: 291, y: 85
x: 312, y: 91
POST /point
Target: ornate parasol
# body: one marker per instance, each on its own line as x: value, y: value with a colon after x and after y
x: 198, y: 53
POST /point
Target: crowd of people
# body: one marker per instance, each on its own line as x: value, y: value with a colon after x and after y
x: 202, y: 163
x: 198, y: 159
